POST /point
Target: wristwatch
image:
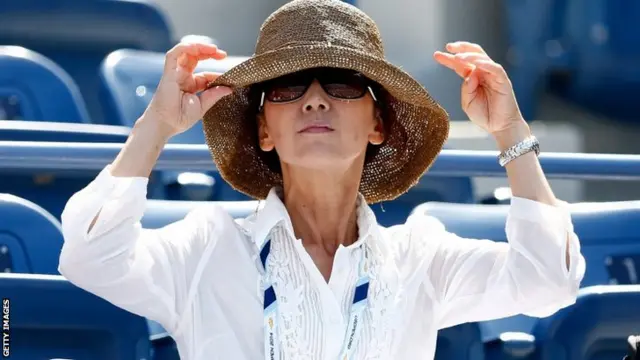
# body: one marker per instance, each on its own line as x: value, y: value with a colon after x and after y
x: 525, y: 146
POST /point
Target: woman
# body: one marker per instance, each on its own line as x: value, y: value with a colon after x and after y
x: 319, y: 125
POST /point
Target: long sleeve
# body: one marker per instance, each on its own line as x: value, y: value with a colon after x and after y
x: 477, y: 280
x: 146, y: 272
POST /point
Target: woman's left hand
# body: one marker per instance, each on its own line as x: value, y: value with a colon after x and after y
x: 487, y: 95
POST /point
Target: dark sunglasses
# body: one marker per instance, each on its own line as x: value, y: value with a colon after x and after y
x: 338, y: 83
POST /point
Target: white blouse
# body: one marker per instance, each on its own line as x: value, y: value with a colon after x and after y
x: 200, y: 277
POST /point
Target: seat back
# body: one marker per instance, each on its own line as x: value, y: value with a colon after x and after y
x: 27, y: 81
x: 448, y: 189
x: 596, y: 327
x: 51, y: 318
x: 461, y: 342
x: 79, y: 34
x: 30, y: 237
x: 609, y: 235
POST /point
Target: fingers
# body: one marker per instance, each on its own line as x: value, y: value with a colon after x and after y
x: 468, y: 91
x: 463, y: 63
x: 211, y: 96
x: 187, y: 55
x: 464, y: 46
x: 492, y: 68
x: 463, y: 69
x: 201, y: 81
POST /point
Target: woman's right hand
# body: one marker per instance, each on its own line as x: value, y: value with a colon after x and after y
x: 176, y: 105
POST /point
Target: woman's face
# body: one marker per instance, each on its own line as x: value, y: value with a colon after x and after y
x: 319, y: 129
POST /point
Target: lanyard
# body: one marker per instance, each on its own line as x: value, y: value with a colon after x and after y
x: 270, y: 306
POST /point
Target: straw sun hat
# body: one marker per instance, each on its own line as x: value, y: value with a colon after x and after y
x: 306, y: 34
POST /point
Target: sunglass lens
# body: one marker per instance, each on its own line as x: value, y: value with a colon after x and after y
x: 288, y: 88
x: 344, y: 84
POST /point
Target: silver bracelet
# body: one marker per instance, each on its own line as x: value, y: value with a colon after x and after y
x: 525, y: 146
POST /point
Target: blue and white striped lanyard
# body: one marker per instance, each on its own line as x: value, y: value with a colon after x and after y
x: 270, y: 306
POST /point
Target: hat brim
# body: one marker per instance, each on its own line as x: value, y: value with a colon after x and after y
x: 418, y: 131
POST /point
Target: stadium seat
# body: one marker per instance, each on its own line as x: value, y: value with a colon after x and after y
x: 448, y: 189
x: 608, y: 237
x: 27, y: 81
x: 596, y: 327
x: 50, y: 318
x: 30, y: 237
x: 461, y: 342
x: 79, y: 34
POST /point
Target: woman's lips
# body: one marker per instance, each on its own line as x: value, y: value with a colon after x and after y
x: 316, y: 129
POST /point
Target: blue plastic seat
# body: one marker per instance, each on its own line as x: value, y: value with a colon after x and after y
x: 78, y: 35
x: 30, y: 237
x: 27, y: 82
x: 429, y: 188
x: 608, y: 237
x: 51, y: 318
x: 596, y: 327
x: 461, y: 342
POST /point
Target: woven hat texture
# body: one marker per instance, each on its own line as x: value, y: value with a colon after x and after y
x: 305, y: 34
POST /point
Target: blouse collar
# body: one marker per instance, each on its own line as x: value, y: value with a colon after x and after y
x: 275, y: 212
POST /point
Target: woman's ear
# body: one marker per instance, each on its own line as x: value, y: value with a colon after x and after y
x: 377, y: 135
x: 266, y: 144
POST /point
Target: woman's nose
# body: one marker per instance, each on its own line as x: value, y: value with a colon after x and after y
x: 315, y: 99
